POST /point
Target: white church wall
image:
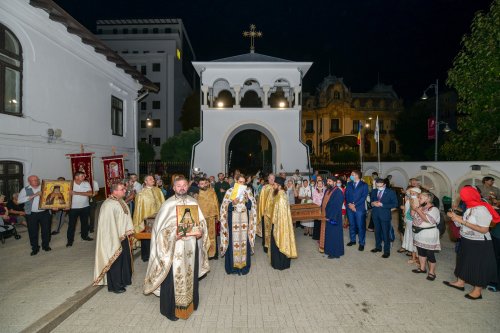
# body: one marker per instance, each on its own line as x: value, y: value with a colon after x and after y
x: 289, y: 153
x: 66, y: 85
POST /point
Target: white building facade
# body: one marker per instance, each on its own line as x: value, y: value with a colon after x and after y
x: 62, y: 89
x: 160, y: 49
x: 251, y: 91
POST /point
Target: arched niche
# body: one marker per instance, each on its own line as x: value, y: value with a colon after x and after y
x: 281, y: 94
x: 436, y: 181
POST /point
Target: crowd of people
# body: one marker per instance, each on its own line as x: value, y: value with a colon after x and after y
x: 204, y: 218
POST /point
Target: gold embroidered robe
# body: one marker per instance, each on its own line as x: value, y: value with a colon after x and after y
x: 284, y: 230
x: 147, y: 203
x: 243, y: 228
x: 115, y: 224
x: 210, y: 207
x: 265, y: 212
x: 169, y: 253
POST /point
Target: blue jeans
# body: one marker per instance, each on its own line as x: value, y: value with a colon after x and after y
x: 357, y: 225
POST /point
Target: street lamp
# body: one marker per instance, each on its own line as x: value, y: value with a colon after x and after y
x: 436, y: 127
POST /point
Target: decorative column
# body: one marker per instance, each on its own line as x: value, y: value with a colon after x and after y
x: 237, y: 89
x: 296, y: 91
x: 266, y: 91
x: 204, y: 96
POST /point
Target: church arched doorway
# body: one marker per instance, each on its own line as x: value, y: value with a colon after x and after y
x: 249, y: 151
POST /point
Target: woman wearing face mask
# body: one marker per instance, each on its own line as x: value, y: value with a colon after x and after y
x: 426, y: 217
x: 476, y: 263
x: 412, y: 195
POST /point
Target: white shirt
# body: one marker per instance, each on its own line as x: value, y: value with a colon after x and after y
x: 23, y: 197
x: 80, y: 201
x: 137, y: 187
x: 480, y: 216
x: 95, y: 186
x: 305, y: 192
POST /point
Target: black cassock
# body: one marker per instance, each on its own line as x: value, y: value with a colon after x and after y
x: 278, y: 259
x: 119, y: 274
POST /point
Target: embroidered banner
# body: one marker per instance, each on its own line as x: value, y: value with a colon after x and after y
x: 82, y: 162
x: 113, y: 171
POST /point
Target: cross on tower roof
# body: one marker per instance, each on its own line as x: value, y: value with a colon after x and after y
x: 252, y: 34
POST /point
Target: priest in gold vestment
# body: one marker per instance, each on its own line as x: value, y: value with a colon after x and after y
x: 178, y: 254
x: 207, y: 199
x: 265, y: 212
x: 113, y: 260
x: 282, y: 247
x: 147, y: 203
x: 238, y: 223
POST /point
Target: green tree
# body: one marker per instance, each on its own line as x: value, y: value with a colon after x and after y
x: 146, y: 152
x: 476, y: 77
x: 190, y: 116
x: 178, y: 148
x: 411, y: 132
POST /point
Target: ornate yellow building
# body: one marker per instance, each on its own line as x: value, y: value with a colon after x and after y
x: 330, y: 119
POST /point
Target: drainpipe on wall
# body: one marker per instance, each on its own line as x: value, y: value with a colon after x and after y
x: 136, y: 125
x: 201, y: 125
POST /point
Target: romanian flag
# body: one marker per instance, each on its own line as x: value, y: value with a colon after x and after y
x: 359, y: 133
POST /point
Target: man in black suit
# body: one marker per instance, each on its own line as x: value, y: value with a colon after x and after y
x: 382, y: 200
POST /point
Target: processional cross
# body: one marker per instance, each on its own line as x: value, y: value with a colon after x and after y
x: 252, y: 34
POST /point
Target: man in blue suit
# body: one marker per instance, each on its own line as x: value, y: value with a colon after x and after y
x: 355, y: 194
x: 382, y: 199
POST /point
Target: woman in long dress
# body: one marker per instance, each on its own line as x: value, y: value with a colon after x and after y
x: 412, y: 194
x: 305, y: 196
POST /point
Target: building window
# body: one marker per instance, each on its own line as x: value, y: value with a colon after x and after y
x: 144, y: 70
x: 156, y: 105
x: 135, y: 52
x: 320, y: 123
x: 392, y: 147
x: 11, y: 178
x: 156, y: 142
x: 168, y: 30
x: 145, y: 30
x: 156, y: 67
x: 381, y: 126
x: 335, y: 125
x: 125, y: 31
x: 134, y: 30
x: 115, y: 31
x: 11, y: 68
x: 116, y: 116
x: 155, y: 30
x: 355, y: 126
x: 336, y: 95
x: 144, y: 105
x: 145, y: 52
x: 309, y: 126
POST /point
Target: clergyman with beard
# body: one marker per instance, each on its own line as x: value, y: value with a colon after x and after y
x: 207, y: 199
x: 177, y: 251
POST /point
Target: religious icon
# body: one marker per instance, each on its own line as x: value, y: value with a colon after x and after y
x: 55, y: 194
x: 187, y: 218
x: 113, y: 170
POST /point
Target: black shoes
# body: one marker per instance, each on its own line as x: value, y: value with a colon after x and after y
x: 375, y: 250
x: 47, y: 249
x: 87, y: 238
x: 386, y: 255
x: 473, y: 298
x: 351, y: 243
x: 361, y: 248
x: 119, y: 291
x: 333, y: 257
x: 69, y: 244
x: 35, y: 252
x: 54, y: 233
x: 446, y: 283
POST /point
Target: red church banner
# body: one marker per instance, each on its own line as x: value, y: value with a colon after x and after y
x: 113, y: 171
x: 83, y: 163
x: 431, y: 129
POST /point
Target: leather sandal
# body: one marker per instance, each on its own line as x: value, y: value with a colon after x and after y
x: 418, y: 270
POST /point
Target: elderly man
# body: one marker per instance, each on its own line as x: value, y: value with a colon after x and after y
x: 113, y: 260
x: 265, y: 207
x: 179, y: 245
x: 36, y: 218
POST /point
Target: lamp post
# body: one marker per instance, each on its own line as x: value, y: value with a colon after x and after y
x: 436, y: 126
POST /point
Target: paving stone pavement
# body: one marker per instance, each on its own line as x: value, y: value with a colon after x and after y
x: 361, y: 291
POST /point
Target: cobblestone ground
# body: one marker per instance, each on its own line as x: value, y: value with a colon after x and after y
x: 361, y: 291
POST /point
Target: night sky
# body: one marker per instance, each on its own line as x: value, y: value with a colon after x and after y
x: 409, y: 43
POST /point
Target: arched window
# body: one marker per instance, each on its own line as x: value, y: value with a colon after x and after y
x: 392, y: 147
x: 336, y: 95
x: 11, y: 69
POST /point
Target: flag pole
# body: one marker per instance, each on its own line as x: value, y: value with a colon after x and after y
x: 378, y: 147
x: 360, y: 128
